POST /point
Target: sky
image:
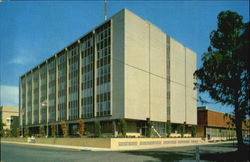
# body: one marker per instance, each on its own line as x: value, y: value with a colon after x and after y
x: 32, y: 31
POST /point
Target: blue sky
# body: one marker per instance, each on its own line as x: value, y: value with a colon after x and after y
x: 31, y: 32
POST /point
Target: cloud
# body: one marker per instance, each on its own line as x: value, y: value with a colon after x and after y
x: 9, y: 95
x: 22, y: 57
x: 17, y: 61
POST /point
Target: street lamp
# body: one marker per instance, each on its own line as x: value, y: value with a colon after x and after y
x: 44, y: 103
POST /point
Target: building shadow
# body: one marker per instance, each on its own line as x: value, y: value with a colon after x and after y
x: 163, y: 155
x: 228, y: 156
x: 207, y: 153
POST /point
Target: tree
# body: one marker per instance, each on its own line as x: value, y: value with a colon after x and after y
x: 13, y: 132
x: 123, y: 127
x: 2, y: 131
x: 64, y: 128
x: 149, y: 128
x: 168, y: 128
x: 97, y: 129
x: 17, y: 132
x: 8, y: 132
x: 81, y: 127
x: 53, y: 130
x: 225, y: 71
x: 181, y: 130
x: 193, y: 131
x: 42, y: 131
x: 26, y: 132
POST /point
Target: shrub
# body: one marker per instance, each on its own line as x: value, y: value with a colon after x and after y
x: 114, y: 131
x: 53, y: 130
x: 26, y: 132
x: 168, y: 128
x: 3, y: 133
x: 193, y: 131
x: 81, y: 127
x: 182, y: 130
x: 42, y: 130
x: 97, y: 129
x: 149, y: 128
x: 13, y: 132
x: 64, y: 128
x: 123, y: 127
x: 17, y: 130
x: 8, y: 132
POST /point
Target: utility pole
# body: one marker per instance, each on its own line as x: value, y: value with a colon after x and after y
x: 105, y: 10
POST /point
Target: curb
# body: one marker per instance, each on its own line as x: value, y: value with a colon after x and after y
x: 79, y: 148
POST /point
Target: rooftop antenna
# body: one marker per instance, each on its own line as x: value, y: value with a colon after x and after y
x: 105, y: 10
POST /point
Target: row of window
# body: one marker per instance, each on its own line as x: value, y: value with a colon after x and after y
x: 87, y: 76
x: 87, y: 92
x: 87, y: 60
x: 103, y: 61
x: 62, y: 100
x: 73, y: 89
x: 61, y: 112
x: 87, y: 52
x: 87, y: 110
x: 103, y: 79
x: 106, y: 42
x: 87, y: 100
x: 87, y: 84
x: 103, y: 97
x: 73, y: 74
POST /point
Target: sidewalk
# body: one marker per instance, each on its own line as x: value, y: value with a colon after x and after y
x: 59, y: 146
x: 79, y: 148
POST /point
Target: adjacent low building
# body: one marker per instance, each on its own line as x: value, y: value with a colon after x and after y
x: 125, y: 68
x: 216, y: 125
x: 10, y: 117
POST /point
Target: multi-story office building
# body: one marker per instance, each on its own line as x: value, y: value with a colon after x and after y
x: 126, y: 68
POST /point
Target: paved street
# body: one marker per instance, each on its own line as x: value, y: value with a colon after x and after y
x: 22, y: 153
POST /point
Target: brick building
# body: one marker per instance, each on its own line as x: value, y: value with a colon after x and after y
x: 214, y: 125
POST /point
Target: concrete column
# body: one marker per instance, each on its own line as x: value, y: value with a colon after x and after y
x: 168, y: 76
x: 20, y: 104
x: 67, y: 84
x: 56, y: 89
x: 26, y: 100
x: 39, y: 99
x: 149, y: 74
x: 111, y: 67
x: 79, y: 80
x: 185, y: 85
x: 114, y: 127
x: 32, y: 97
x: 94, y: 73
x: 47, y: 94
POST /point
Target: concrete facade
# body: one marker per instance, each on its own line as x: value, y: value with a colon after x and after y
x: 126, y: 68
